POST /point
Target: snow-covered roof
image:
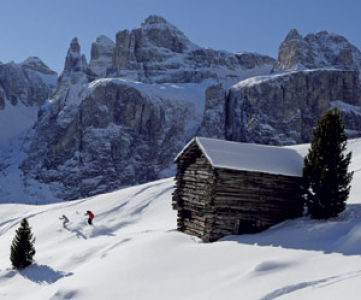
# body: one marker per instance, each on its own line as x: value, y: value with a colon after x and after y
x: 249, y: 157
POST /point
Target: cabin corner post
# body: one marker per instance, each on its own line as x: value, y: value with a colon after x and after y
x: 177, y: 195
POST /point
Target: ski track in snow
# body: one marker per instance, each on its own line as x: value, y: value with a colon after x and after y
x: 310, y: 284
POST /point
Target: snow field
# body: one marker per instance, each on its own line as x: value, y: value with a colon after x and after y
x: 134, y: 252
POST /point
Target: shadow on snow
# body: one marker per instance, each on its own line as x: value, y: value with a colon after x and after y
x: 338, y: 235
x: 43, y: 274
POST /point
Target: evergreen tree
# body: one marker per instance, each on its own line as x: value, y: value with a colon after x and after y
x: 22, y: 247
x: 326, y: 183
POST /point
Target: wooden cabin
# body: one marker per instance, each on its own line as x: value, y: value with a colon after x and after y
x: 224, y: 188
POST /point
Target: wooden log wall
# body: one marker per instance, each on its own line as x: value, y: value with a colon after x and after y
x: 246, y: 202
x: 192, y: 196
x: 213, y: 203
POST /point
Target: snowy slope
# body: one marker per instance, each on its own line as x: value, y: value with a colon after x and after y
x: 134, y: 252
x: 15, y: 120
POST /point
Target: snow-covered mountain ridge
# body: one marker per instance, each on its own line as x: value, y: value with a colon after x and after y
x: 126, y: 128
x: 133, y: 251
x: 120, y: 119
x: 317, y: 50
x: 311, y: 75
x: 158, y: 52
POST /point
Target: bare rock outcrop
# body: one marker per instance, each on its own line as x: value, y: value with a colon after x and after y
x: 214, y: 116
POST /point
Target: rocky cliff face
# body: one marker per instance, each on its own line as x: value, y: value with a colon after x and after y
x: 28, y: 83
x: 101, y: 54
x: 283, y: 109
x: 114, y: 133
x: 214, y: 116
x: 314, y: 51
x: 24, y: 88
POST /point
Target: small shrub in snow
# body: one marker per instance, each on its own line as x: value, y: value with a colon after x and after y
x: 22, y: 247
x: 326, y: 178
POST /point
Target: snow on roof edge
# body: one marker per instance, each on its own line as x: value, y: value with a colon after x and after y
x: 205, y: 152
x: 199, y: 144
x: 198, y: 141
x: 184, y: 149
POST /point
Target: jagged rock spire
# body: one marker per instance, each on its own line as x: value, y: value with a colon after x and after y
x: 76, y: 69
x: 74, y: 46
x: 293, y: 34
x: 75, y: 61
x: 101, y: 55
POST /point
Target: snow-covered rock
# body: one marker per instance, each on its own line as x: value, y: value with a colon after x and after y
x: 284, y: 108
x: 319, y: 50
x: 24, y: 88
x: 101, y: 56
x: 112, y: 133
x: 158, y: 52
x: 214, y: 116
x: 29, y: 82
x: 312, y: 74
x: 76, y: 70
x: 160, y: 89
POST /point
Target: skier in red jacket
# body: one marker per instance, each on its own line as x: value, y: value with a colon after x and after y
x: 91, y: 217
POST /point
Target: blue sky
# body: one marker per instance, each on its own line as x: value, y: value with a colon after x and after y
x: 45, y: 28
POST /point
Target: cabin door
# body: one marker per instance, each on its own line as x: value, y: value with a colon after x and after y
x: 243, y: 226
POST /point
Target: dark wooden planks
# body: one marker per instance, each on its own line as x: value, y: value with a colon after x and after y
x: 213, y: 203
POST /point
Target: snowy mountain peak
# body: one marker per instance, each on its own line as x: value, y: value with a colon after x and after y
x: 23, y: 88
x: 76, y: 69
x: 154, y: 19
x: 321, y: 32
x: 159, y: 23
x: 74, y: 46
x: 36, y: 64
x: 104, y: 40
x: 317, y: 50
x: 293, y: 34
x: 156, y: 31
x: 33, y: 60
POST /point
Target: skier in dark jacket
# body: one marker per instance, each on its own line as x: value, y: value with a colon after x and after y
x: 65, y: 220
x: 90, y: 217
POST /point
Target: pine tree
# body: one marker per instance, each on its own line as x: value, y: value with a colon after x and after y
x: 22, y: 247
x: 326, y: 183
